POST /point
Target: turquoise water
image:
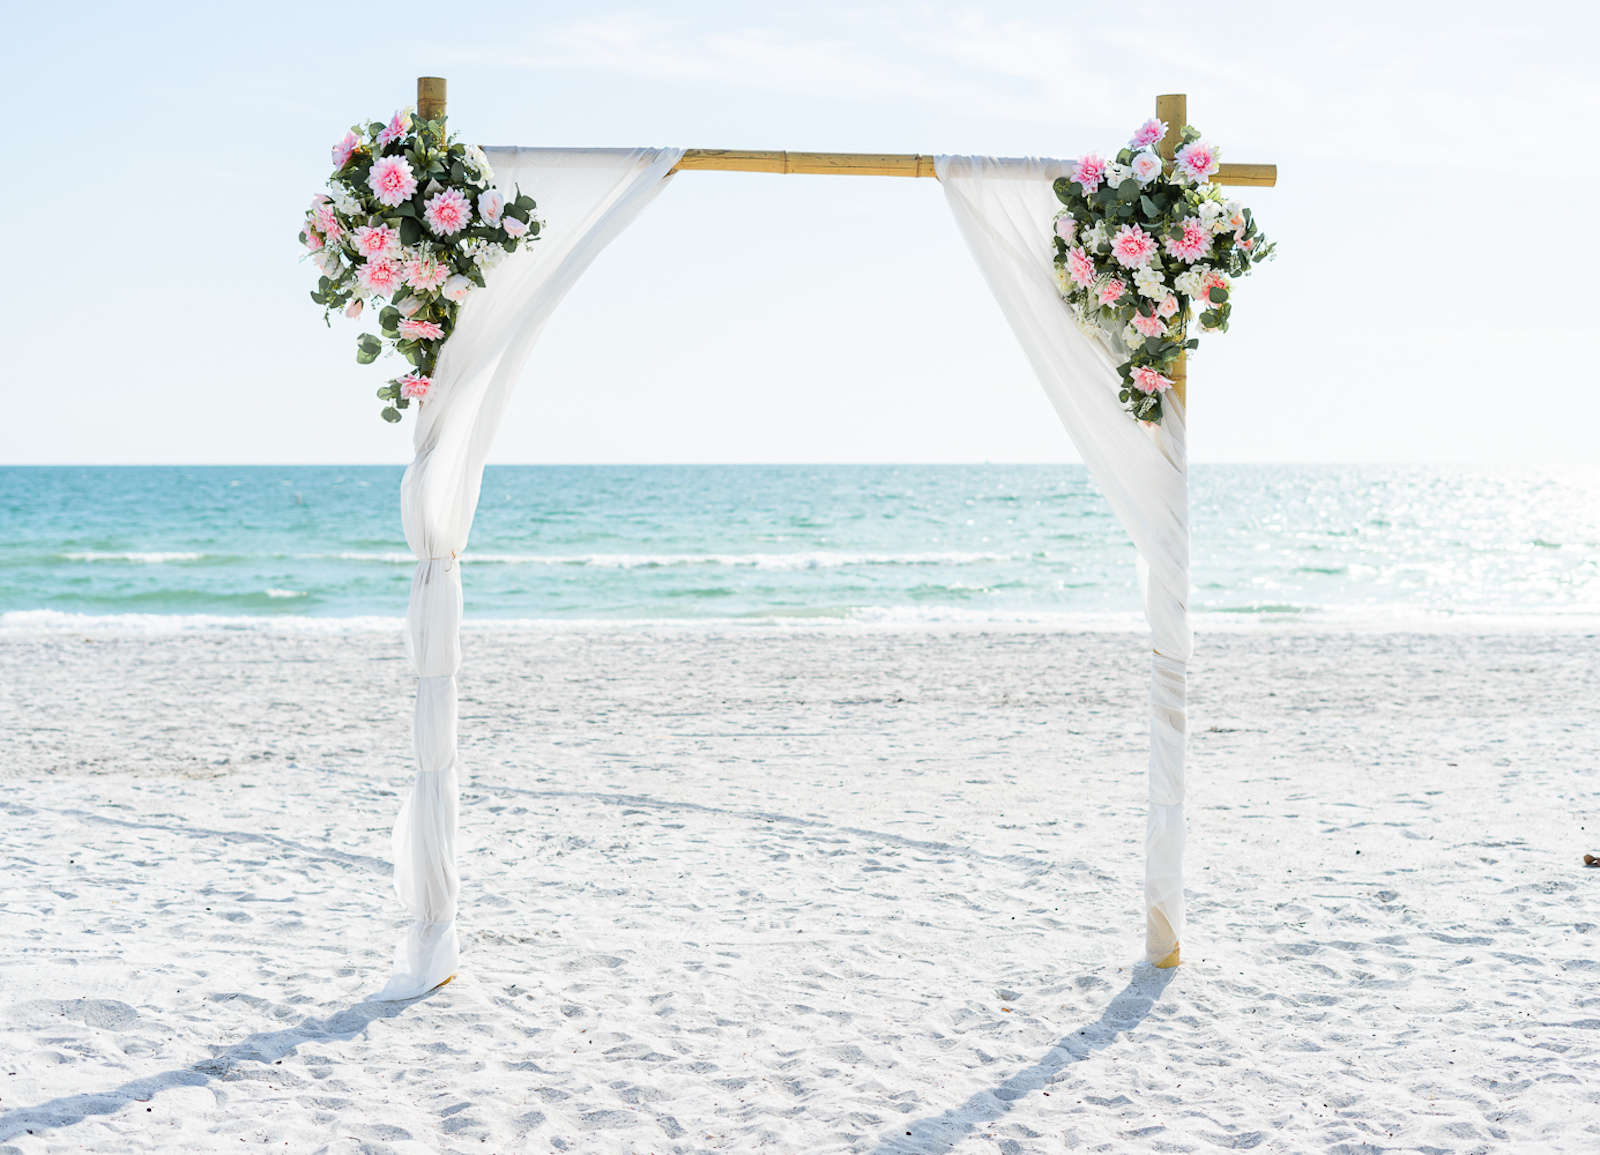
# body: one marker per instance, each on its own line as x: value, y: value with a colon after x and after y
x: 954, y: 542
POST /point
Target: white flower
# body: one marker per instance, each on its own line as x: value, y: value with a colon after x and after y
x: 1146, y: 167
x: 491, y: 256
x: 1094, y: 236
x: 1210, y: 210
x: 457, y: 288
x: 410, y: 306
x: 1150, y: 283
x: 1189, y: 282
x: 1116, y: 174
x: 1063, y: 282
x: 344, y: 202
x: 478, y: 162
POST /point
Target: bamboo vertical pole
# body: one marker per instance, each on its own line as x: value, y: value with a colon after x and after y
x: 431, y: 97
x: 1173, y: 111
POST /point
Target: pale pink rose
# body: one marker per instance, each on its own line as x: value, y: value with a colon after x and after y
x: 415, y: 386
x: 1149, y: 380
x: 1168, y: 306
x: 1111, y: 292
x: 1132, y: 247
x: 1198, y: 160
x: 1194, y: 244
x: 515, y: 228
x: 313, y: 239
x: 1212, y: 280
x: 491, y: 205
x: 408, y: 306
x: 1243, y: 241
x: 353, y: 309
x: 1080, y: 268
x: 380, y: 276
x: 457, y: 288
x: 1149, y: 326
x: 447, y: 212
x: 396, y: 127
x: 425, y: 273
x: 420, y: 331
x: 1146, y: 167
x: 1150, y: 132
x: 391, y: 181
x: 376, y: 240
x: 1089, y: 172
x: 1066, y: 228
x: 343, y: 151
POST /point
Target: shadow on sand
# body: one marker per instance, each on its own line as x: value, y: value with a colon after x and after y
x: 264, y: 1047
x: 940, y: 1133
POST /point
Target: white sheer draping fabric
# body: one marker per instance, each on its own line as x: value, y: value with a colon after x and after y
x: 1004, y: 209
x: 586, y: 198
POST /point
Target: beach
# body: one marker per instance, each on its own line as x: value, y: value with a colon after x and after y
x: 809, y: 888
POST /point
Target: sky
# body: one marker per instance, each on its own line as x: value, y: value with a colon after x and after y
x: 1431, y: 301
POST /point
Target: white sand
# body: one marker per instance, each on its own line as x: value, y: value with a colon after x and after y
x: 803, y: 891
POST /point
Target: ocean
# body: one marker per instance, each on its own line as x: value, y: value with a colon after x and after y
x: 249, y: 546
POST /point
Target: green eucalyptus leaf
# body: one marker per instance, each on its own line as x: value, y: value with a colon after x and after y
x: 390, y: 414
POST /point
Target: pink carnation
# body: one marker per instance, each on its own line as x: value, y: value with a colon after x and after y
x: 1149, y: 380
x: 344, y: 150
x: 1193, y: 244
x: 515, y: 228
x: 447, y: 212
x: 424, y: 273
x: 1168, y: 306
x: 1132, y: 247
x: 325, y: 222
x: 376, y: 240
x: 491, y: 206
x: 420, y: 331
x: 380, y: 276
x: 1080, y: 268
x: 1111, y: 292
x: 1149, y: 326
x: 415, y: 386
x: 1198, y: 160
x: 396, y: 128
x: 391, y: 181
x: 1149, y: 133
x: 1089, y: 172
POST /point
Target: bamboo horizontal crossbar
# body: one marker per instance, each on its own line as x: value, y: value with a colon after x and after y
x: 887, y: 164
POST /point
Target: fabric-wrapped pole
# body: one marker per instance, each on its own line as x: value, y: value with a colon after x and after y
x: 1005, y: 210
x: 586, y: 198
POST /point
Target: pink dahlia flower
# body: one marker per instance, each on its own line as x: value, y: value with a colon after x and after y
x: 515, y: 228
x: 425, y: 273
x: 1146, y: 167
x: 391, y: 181
x: 313, y: 238
x: 491, y: 206
x: 1089, y: 172
x: 325, y: 222
x: 1198, y: 160
x: 415, y: 386
x: 353, y: 309
x: 447, y: 212
x: 457, y: 288
x: 420, y: 331
x: 344, y: 150
x: 1194, y: 244
x: 396, y: 128
x: 1111, y: 292
x: 1080, y: 268
x: 1149, y: 380
x: 1149, y: 133
x: 1168, y: 306
x: 1149, y: 326
x: 376, y: 240
x: 1132, y: 247
x: 380, y: 276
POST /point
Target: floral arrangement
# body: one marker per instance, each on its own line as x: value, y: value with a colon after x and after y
x: 411, y: 223
x: 1141, y: 244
